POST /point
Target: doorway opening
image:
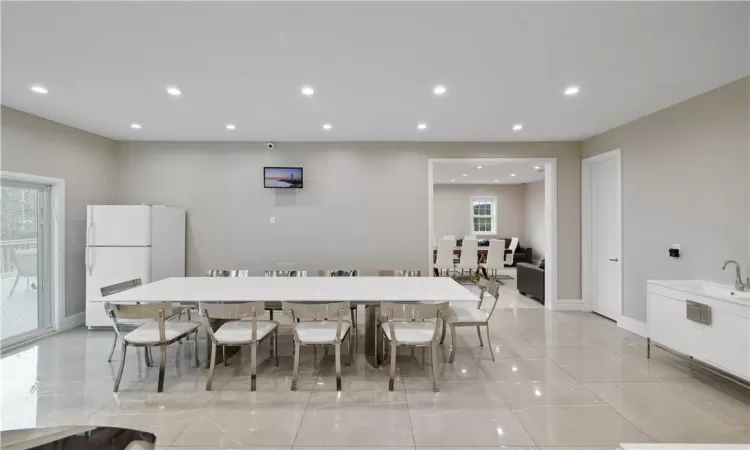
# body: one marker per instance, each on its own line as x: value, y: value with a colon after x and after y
x: 491, y: 200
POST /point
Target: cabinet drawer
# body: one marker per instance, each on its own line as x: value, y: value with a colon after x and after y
x: 668, y: 324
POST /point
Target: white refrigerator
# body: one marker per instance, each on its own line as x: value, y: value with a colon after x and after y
x: 124, y: 242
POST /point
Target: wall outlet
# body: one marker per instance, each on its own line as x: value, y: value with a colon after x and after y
x: 272, y: 220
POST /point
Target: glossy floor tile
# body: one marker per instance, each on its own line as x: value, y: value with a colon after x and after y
x: 560, y: 380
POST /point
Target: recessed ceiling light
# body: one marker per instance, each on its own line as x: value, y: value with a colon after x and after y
x: 572, y: 90
x: 497, y: 181
x: 174, y: 91
x: 231, y: 126
x: 439, y: 89
x: 327, y: 126
x: 518, y: 127
x: 421, y: 126
x: 39, y: 89
x: 307, y: 90
x: 453, y: 181
x: 479, y: 167
x: 465, y: 175
x: 135, y: 126
x: 537, y: 168
x: 513, y: 174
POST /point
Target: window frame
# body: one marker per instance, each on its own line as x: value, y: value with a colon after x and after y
x: 493, y: 216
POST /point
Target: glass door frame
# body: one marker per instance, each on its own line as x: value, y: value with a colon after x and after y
x: 50, y: 256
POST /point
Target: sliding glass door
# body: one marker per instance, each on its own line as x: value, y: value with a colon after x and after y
x: 25, y: 300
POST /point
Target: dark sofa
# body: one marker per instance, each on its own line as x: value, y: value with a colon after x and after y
x: 530, y: 280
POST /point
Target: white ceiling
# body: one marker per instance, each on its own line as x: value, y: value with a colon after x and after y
x: 372, y: 64
x: 453, y: 172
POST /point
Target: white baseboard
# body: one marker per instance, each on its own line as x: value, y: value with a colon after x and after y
x: 570, y: 304
x: 633, y: 325
x: 74, y: 321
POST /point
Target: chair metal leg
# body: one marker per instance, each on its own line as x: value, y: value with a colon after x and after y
x: 195, y: 340
x: 276, y: 346
x: 224, y: 354
x: 253, y: 364
x: 315, y: 356
x: 393, y: 367
x: 338, y: 366
x: 296, y: 365
x: 162, y: 366
x: 270, y: 314
x: 453, y: 344
x: 442, y: 337
x: 18, y: 277
x: 433, y: 351
x: 423, y: 360
x: 112, y: 352
x: 489, y: 344
x: 479, y: 334
x: 122, y: 366
x: 350, y: 349
x: 212, y: 366
x: 147, y: 356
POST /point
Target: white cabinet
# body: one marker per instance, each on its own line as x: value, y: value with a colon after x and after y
x: 713, y: 330
x: 726, y: 343
x: 675, y: 332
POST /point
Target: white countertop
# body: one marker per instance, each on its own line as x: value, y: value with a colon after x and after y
x: 312, y: 289
x: 707, y: 289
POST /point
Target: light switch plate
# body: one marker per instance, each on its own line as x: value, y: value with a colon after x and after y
x: 676, y: 246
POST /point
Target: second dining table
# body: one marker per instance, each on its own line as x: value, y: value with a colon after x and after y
x: 367, y: 291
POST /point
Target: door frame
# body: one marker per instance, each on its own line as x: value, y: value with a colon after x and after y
x: 550, y: 217
x: 587, y: 257
x: 56, y: 279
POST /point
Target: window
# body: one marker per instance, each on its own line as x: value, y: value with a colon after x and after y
x: 483, y: 215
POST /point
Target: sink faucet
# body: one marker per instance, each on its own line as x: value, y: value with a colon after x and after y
x: 738, y: 284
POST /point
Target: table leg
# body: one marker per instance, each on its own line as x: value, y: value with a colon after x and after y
x: 373, y: 346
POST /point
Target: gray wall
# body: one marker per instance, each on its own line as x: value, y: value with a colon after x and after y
x: 452, y: 213
x: 364, y: 205
x: 534, y: 219
x: 85, y: 161
x: 685, y: 181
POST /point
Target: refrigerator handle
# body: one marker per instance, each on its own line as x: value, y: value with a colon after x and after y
x: 88, y: 244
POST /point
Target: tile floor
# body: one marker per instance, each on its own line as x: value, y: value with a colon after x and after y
x: 561, y: 379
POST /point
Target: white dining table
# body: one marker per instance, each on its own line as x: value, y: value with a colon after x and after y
x: 368, y: 291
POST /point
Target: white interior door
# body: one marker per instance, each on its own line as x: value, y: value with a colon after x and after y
x: 606, y: 230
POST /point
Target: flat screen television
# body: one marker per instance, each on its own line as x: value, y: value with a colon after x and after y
x: 282, y: 177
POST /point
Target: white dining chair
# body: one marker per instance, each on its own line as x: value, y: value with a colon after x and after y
x: 25, y: 261
x: 495, y: 257
x: 444, y: 258
x: 399, y: 273
x: 242, y: 328
x: 353, y: 310
x: 156, y: 332
x: 113, y: 289
x: 412, y: 325
x: 464, y: 316
x: 511, y: 251
x: 468, y: 260
x: 320, y: 324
